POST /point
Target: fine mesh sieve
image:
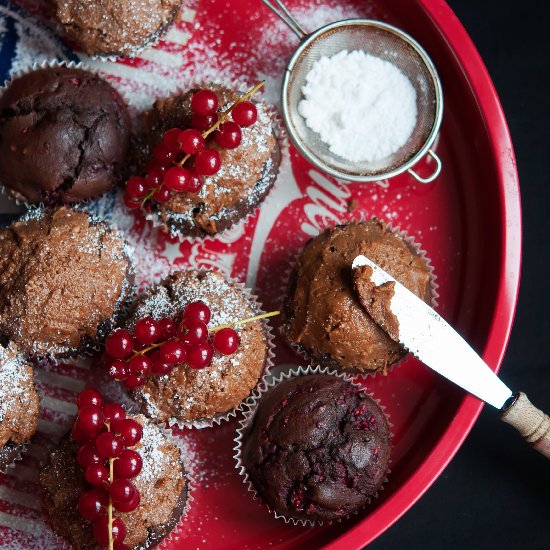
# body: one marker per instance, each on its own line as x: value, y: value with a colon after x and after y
x: 383, y: 41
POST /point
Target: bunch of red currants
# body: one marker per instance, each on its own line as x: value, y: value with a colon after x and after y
x: 105, y: 437
x: 158, y: 344
x: 166, y: 173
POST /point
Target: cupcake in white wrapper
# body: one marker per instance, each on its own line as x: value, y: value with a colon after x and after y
x: 19, y: 406
x: 65, y: 134
x: 163, y: 484
x: 324, y: 320
x: 200, y: 398
x: 313, y: 446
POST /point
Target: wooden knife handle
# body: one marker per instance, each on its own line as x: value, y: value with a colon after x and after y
x: 530, y: 422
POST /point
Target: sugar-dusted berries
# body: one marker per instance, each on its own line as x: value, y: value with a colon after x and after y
x: 184, y: 158
x: 106, y: 437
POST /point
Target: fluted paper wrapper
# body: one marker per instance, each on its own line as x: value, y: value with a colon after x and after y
x: 252, y: 403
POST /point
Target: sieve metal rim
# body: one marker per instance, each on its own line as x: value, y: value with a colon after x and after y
x: 421, y: 153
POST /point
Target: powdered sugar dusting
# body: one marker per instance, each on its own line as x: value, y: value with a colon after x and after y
x: 14, y: 378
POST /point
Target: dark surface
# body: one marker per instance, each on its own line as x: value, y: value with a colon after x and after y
x: 495, y: 494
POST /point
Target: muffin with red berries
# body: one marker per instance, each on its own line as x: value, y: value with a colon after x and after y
x: 314, y: 446
x: 19, y: 405
x: 114, y: 469
x: 210, y: 155
x: 65, y: 281
x: 193, y: 349
x: 64, y: 136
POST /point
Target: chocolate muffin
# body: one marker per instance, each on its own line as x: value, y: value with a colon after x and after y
x: 121, y: 28
x: 317, y: 448
x: 19, y: 404
x: 65, y: 278
x: 247, y: 172
x: 162, y: 485
x: 324, y: 316
x: 198, y: 396
x: 64, y: 136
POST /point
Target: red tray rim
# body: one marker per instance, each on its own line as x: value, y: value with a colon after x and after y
x: 509, y: 204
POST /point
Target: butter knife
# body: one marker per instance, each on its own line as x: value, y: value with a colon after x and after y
x: 423, y: 332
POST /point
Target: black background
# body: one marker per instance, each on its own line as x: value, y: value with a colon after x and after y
x: 496, y: 491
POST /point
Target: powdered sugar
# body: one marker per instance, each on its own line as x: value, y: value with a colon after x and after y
x: 362, y: 107
x: 14, y: 380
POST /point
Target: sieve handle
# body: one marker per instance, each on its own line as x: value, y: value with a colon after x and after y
x: 282, y: 12
x: 437, y: 171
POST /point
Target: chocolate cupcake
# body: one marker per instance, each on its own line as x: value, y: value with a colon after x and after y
x: 19, y: 405
x: 324, y: 317
x: 314, y: 447
x: 65, y: 279
x: 122, y: 28
x: 64, y: 136
x: 162, y: 485
x: 198, y: 397
x: 247, y: 172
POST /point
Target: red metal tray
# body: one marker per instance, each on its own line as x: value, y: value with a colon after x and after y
x: 468, y: 221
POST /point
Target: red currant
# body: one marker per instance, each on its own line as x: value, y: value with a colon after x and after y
x: 79, y: 435
x: 172, y: 352
x: 147, y: 330
x: 89, y: 396
x: 101, y: 531
x: 193, y: 333
x: 91, y: 504
x: 228, y: 135
x: 207, y: 162
x: 128, y: 464
x: 177, y: 179
x: 170, y: 139
x: 167, y: 328
x: 131, y: 203
x: 244, y: 113
x: 129, y: 506
x: 191, y: 141
x: 162, y: 195
x: 199, y: 357
x: 109, y: 445
x: 121, y: 545
x: 90, y: 420
x: 155, y: 165
x: 195, y: 183
x: 226, y: 341
x: 133, y: 381
x: 130, y: 431
x: 122, y: 490
x: 118, y: 370
x: 140, y: 366
x: 119, y: 344
x: 153, y: 179
x: 203, y: 123
x: 114, y: 413
x: 204, y: 102
x: 87, y: 455
x: 163, y: 156
x: 96, y: 475
x: 136, y: 187
x: 160, y: 369
x: 197, y: 311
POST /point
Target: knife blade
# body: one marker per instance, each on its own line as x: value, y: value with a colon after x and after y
x: 425, y: 334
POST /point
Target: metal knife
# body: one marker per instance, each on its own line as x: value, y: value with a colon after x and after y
x: 417, y: 327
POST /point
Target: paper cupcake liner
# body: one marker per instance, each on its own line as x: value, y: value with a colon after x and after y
x: 122, y: 305
x: 217, y: 419
x: 53, y: 64
x: 252, y: 403
x: 280, y: 137
x: 302, y: 351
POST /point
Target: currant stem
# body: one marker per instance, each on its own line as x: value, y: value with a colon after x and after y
x: 243, y: 321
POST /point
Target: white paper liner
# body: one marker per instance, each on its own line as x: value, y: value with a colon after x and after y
x: 217, y: 419
x: 269, y: 382
x: 121, y: 307
x: 280, y: 135
x: 434, y: 295
x: 53, y: 64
